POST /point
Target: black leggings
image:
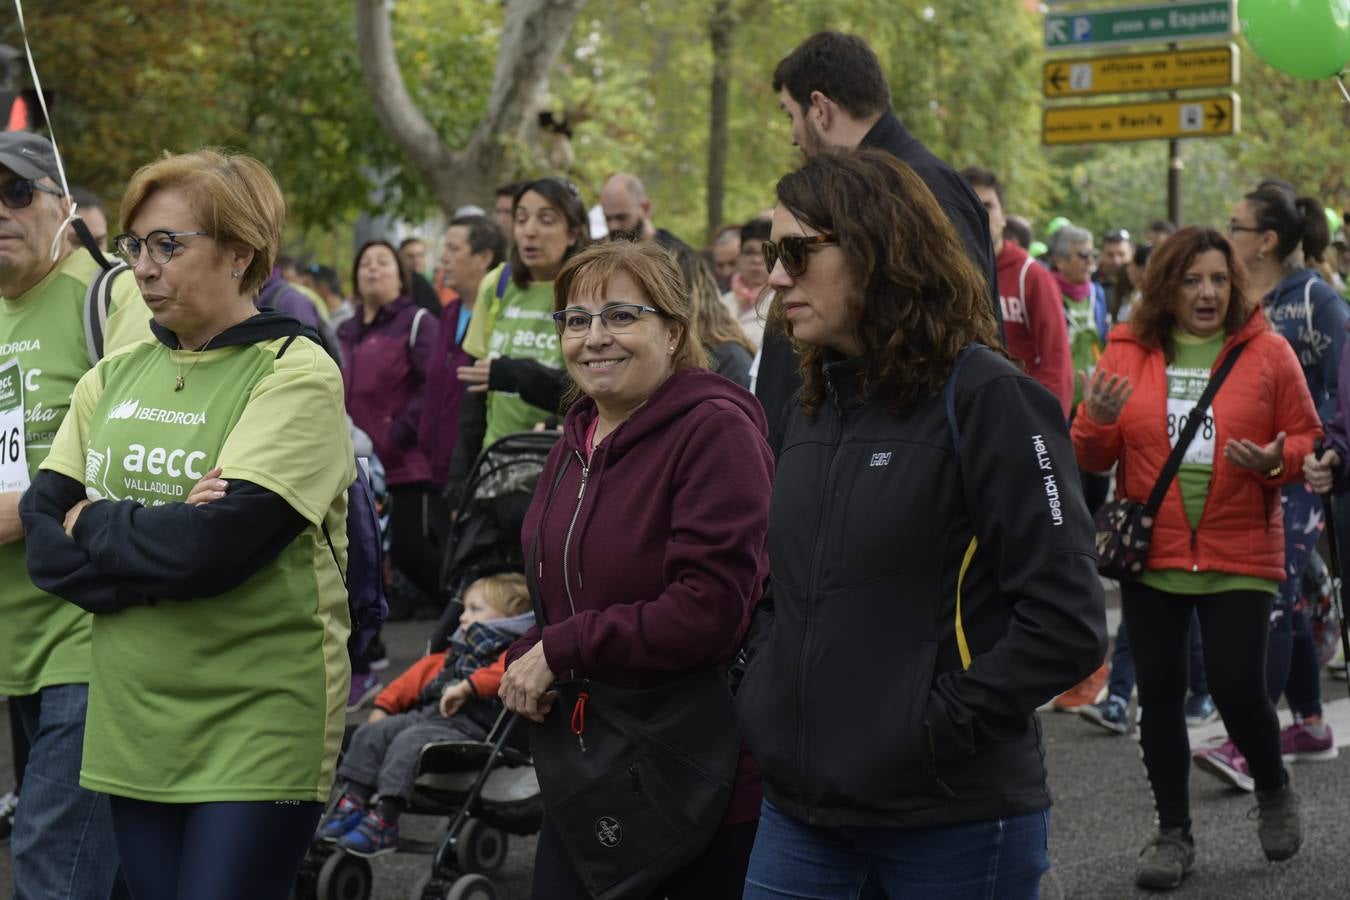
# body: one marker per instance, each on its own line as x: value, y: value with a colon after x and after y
x: 1234, y: 626
x: 419, y: 522
x: 719, y: 874
x: 212, y: 851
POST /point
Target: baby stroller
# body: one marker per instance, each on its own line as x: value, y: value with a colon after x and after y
x: 487, y: 788
x: 485, y: 536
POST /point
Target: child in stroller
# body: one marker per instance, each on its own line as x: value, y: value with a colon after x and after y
x: 380, y: 765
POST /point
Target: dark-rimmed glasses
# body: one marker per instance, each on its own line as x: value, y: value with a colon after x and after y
x: 161, y: 245
x: 18, y: 193
x: 617, y: 318
x: 793, y: 251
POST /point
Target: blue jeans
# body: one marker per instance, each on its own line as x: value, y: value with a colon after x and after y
x: 63, y: 842
x: 995, y: 859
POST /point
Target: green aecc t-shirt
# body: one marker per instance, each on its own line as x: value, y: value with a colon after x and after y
x: 241, y: 696
x: 1187, y: 378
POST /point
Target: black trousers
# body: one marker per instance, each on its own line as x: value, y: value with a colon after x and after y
x: 719, y: 874
x: 1234, y: 626
x: 419, y: 522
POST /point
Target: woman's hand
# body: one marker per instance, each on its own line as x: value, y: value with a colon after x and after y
x: 377, y: 714
x: 1320, y: 473
x: 525, y: 686
x: 1104, y: 395
x: 73, y: 516
x: 211, y: 487
x: 454, y: 697
x: 475, y: 376
x: 1249, y: 455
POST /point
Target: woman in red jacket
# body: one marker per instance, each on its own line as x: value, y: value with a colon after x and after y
x: 1218, y: 544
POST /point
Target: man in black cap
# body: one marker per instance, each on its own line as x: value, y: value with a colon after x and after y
x: 62, y: 843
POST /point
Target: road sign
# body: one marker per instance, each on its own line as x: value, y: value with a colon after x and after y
x: 1119, y: 122
x: 1171, y: 71
x: 1185, y: 20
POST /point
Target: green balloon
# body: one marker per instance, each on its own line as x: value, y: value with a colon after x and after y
x: 1304, y: 38
x: 1037, y: 249
x: 1059, y: 222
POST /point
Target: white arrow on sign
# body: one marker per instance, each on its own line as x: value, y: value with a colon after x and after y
x: 1054, y: 31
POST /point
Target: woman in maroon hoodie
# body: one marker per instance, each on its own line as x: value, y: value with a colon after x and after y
x: 649, y: 525
x: 386, y: 347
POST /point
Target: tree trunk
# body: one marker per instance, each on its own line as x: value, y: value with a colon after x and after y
x: 722, y: 32
x: 533, y: 35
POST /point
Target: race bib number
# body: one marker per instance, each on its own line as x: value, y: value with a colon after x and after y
x: 13, y: 452
x: 1201, y: 450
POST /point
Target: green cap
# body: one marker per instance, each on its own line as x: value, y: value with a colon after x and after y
x: 1333, y: 220
x: 1037, y: 248
x: 1056, y: 224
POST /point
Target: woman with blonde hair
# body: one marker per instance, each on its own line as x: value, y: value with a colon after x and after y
x: 218, y: 660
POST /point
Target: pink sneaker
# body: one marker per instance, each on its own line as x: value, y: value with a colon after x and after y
x: 1298, y: 744
x: 1226, y: 763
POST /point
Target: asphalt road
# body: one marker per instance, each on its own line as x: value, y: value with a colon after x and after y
x: 1102, y: 816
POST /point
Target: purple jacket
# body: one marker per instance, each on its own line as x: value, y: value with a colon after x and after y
x: 287, y: 299
x: 665, y: 546
x: 438, y: 429
x: 383, y: 379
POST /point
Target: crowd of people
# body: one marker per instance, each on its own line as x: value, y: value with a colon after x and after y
x: 821, y: 499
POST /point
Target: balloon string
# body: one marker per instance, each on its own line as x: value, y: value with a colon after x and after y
x: 1340, y: 82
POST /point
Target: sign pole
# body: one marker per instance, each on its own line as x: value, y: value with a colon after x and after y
x: 1175, y: 165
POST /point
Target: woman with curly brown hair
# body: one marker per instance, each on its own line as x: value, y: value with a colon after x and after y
x: 1218, y: 542
x: 933, y: 575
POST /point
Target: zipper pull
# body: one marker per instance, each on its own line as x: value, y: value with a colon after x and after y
x: 579, y: 719
x: 585, y: 473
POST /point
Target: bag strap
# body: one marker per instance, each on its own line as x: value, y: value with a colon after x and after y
x: 531, y: 574
x: 97, y: 302
x: 333, y: 550
x: 1169, y: 470
x: 416, y: 324
x: 950, y: 393
x: 502, y: 281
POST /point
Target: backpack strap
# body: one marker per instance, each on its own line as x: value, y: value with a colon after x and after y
x: 1307, y: 303
x: 416, y: 325
x: 503, y: 280
x: 1022, y: 296
x: 97, y: 302
x: 949, y: 392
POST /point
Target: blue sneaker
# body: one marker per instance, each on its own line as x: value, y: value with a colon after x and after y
x: 372, y: 837
x: 1200, y: 710
x: 344, y: 817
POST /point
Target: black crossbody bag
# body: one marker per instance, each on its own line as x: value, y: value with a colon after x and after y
x: 1125, y: 527
x: 636, y: 781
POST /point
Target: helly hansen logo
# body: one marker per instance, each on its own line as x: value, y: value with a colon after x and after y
x: 1047, y: 468
x: 880, y: 459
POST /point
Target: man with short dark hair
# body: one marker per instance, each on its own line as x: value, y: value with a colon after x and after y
x: 742, y: 298
x: 503, y: 211
x: 1117, y: 252
x: 833, y: 89
x: 1157, y: 232
x: 89, y: 208
x: 413, y: 252
x: 1033, y: 317
x: 725, y: 249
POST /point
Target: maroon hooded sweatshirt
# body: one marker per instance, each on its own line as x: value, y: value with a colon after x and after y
x: 664, y: 550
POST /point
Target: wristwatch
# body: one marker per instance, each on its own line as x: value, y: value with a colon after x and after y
x: 1276, y: 472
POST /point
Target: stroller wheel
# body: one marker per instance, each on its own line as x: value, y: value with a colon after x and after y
x: 344, y: 877
x: 472, y: 887
x: 479, y: 848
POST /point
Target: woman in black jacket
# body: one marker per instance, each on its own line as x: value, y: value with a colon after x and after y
x: 933, y: 572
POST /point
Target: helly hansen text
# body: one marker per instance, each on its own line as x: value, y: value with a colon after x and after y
x: 1045, y: 464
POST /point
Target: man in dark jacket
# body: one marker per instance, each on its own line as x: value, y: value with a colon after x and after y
x: 833, y: 89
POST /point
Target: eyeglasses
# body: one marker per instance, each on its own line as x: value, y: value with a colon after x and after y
x: 18, y: 193
x: 617, y: 318
x: 161, y: 245
x: 793, y: 250
x: 1085, y: 255
x: 1234, y: 228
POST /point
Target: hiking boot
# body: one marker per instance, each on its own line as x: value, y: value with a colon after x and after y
x: 1299, y: 743
x: 1085, y: 693
x: 373, y: 837
x: 344, y: 818
x: 1200, y: 710
x: 1227, y: 763
x: 1279, y: 828
x: 1166, y: 860
x: 365, y: 686
x: 1113, y: 714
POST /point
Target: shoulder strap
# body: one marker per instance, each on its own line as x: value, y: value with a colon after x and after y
x: 1022, y: 281
x: 97, y: 301
x: 1307, y: 304
x: 503, y: 280
x: 1169, y: 470
x: 416, y: 324
x: 950, y: 393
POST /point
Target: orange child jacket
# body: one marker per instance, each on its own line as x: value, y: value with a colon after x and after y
x: 402, y: 693
x: 1242, y: 529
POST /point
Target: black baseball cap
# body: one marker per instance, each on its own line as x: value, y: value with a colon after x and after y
x: 28, y: 155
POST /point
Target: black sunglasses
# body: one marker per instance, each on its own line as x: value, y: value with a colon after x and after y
x: 18, y: 194
x: 793, y: 250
